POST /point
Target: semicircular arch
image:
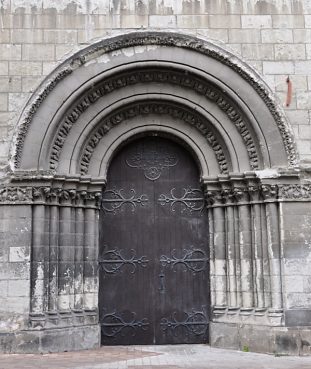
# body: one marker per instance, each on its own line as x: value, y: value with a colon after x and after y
x: 235, y: 101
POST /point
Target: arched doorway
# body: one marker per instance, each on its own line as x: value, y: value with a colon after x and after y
x: 178, y: 86
x: 153, y: 250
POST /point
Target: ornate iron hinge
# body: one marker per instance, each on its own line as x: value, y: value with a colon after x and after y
x: 112, y: 261
x: 193, y: 259
x: 113, y: 324
x: 192, y: 200
x: 195, y: 323
x: 114, y: 200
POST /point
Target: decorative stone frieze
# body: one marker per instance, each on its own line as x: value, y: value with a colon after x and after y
x: 47, y: 195
x: 23, y: 193
x: 258, y: 193
x: 15, y: 194
x: 295, y: 192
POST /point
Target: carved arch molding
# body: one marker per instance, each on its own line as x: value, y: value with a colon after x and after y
x: 151, y: 83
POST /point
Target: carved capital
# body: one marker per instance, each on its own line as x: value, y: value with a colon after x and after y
x: 213, y: 197
x: 67, y: 196
x: 254, y: 193
x: 80, y: 197
x: 269, y: 192
x: 40, y: 194
x: 240, y: 194
x: 227, y: 196
x: 93, y: 199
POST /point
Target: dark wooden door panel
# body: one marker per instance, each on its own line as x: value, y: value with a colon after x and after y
x: 154, y: 269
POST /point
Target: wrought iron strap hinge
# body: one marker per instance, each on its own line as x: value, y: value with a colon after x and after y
x: 193, y: 259
x: 191, y: 200
x: 113, y: 261
x: 195, y: 323
x: 114, y: 324
x: 114, y: 200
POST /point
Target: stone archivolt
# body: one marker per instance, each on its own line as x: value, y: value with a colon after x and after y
x: 160, y: 76
x: 161, y: 39
x: 32, y: 109
x: 152, y: 108
x: 206, y: 48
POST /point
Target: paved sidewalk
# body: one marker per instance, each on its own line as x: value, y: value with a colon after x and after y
x: 154, y: 357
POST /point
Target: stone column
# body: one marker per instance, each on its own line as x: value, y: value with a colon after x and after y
x: 90, y: 277
x: 257, y: 245
x: 53, y: 253
x: 211, y: 254
x: 237, y: 257
x: 273, y: 238
x: 79, y: 252
x: 216, y: 206
x: 66, y: 253
x: 265, y: 258
x: 245, y: 246
x: 230, y: 249
x: 40, y: 255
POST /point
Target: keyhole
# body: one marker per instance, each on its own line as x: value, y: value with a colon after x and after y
x: 162, y: 283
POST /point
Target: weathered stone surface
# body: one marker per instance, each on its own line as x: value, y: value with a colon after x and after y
x: 224, y: 335
x: 256, y: 338
x: 278, y: 340
x: 287, y: 342
x: 258, y: 260
x: 295, y: 317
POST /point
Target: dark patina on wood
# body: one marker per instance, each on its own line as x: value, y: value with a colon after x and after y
x: 153, y: 260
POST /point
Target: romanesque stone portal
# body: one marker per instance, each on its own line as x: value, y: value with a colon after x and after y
x: 153, y: 250
x: 170, y: 86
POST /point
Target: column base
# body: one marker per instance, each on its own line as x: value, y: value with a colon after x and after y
x: 51, y: 340
x: 263, y: 339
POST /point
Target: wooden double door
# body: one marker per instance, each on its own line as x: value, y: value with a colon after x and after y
x: 153, y: 259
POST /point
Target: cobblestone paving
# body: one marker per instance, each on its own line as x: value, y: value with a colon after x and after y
x: 154, y: 357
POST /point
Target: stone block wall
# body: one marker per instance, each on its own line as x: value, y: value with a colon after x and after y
x: 273, y: 36
x: 296, y: 245
x: 15, y: 244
